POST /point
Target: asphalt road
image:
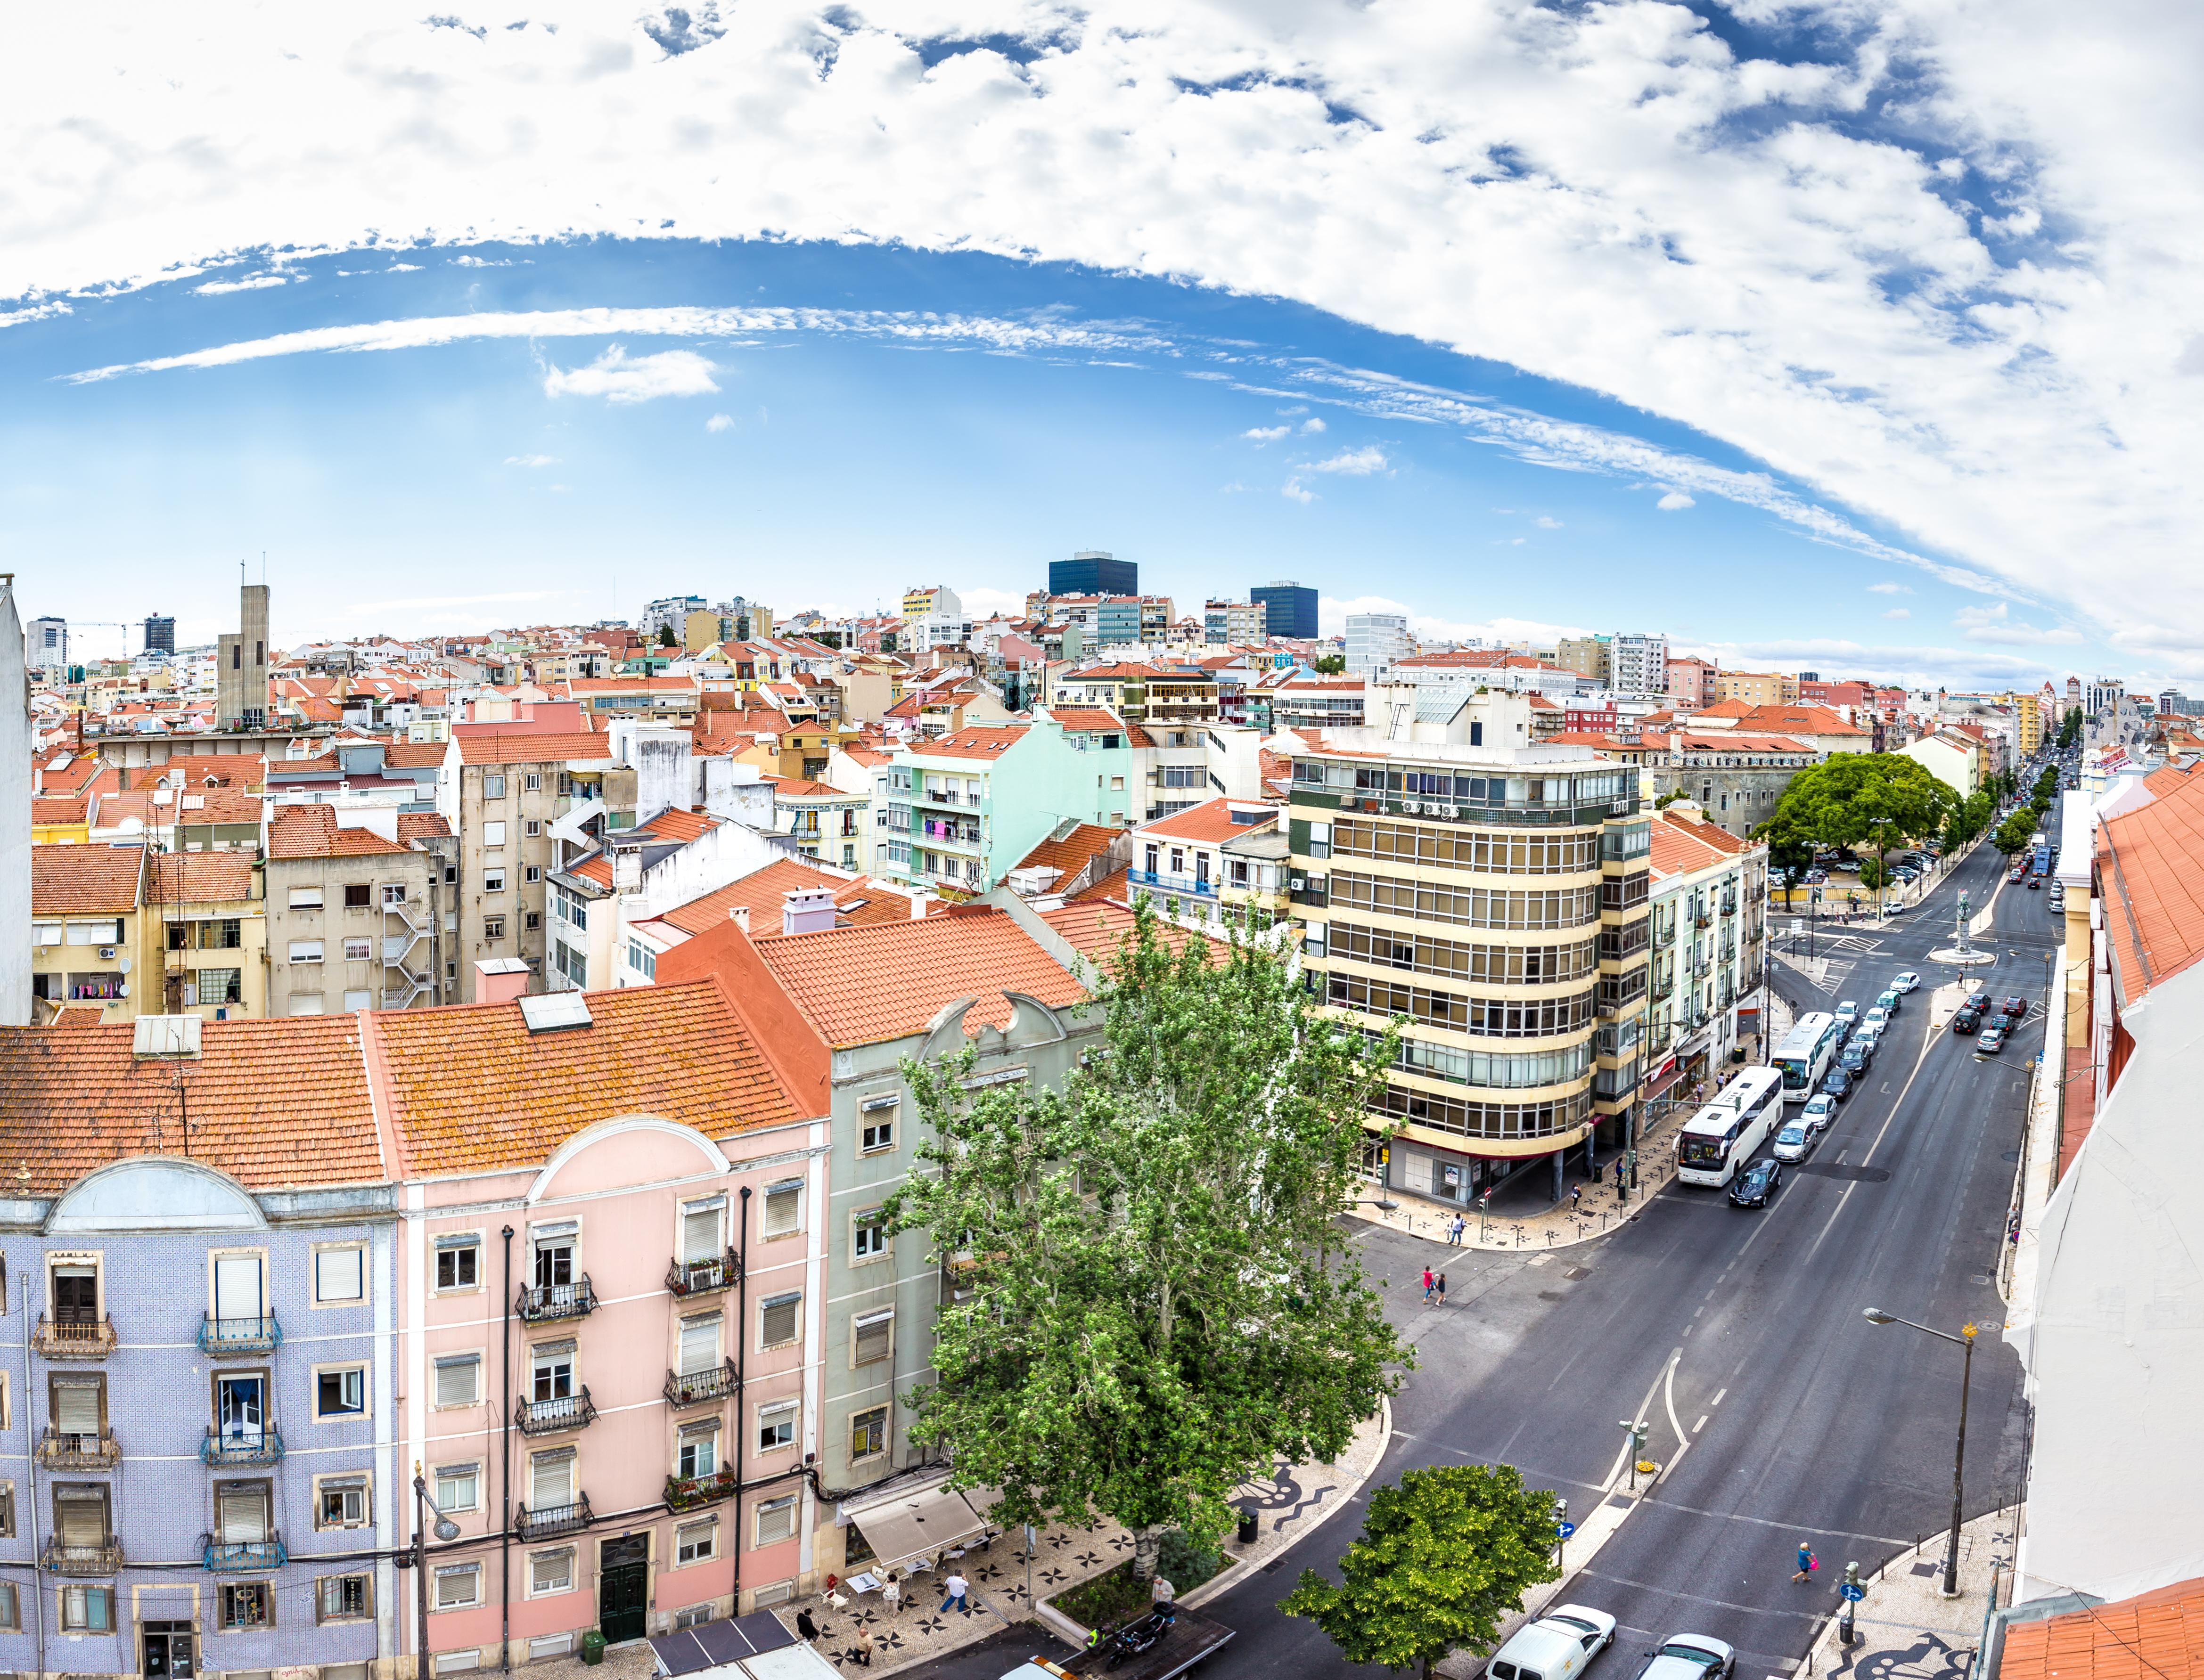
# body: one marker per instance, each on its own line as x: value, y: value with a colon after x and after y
x: 1778, y: 1413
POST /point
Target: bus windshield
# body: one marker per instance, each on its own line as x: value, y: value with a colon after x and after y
x: 1703, y: 1151
x: 1794, y: 1071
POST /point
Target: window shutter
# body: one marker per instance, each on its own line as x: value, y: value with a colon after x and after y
x: 700, y: 1233
x: 778, y: 1319
x: 83, y: 1521
x: 76, y: 1408
x: 237, y: 1286
x: 783, y: 1206
x: 244, y: 1516
x: 874, y: 1334
x: 551, y: 1480
x: 700, y: 1344
x: 455, y: 1380
x: 337, y: 1275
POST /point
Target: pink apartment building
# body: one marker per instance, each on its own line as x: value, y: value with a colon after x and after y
x: 610, y: 1271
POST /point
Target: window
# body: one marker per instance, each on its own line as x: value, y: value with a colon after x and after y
x: 777, y: 1319
x: 241, y: 1513
x: 784, y: 1208
x: 340, y: 1598
x: 551, y: 1479
x: 877, y: 1136
x: 697, y: 1452
x: 493, y: 928
x: 240, y: 1406
x: 532, y: 828
x: 340, y: 1392
x: 458, y: 1379
x: 551, y: 1364
x: 87, y: 1609
x: 775, y: 1520
x: 457, y: 1258
x: 551, y: 1571
x: 394, y: 894
x: 531, y: 921
x: 776, y: 1425
x: 221, y: 986
x: 81, y: 1517
x: 239, y: 1299
x: 306, y: 1003
x: 642, y: 958
x: 493, y: 785
x: 553, y: 1250
x: 359, y: 896
x: 531, y: 782
x: 306, y: 950
x: 459, y: 1486
x: 868, y: 1234
x: 696, y: 1542
x: 531, y: 874
x: 7, y: 1516
x: 246, y: 1604
x: 11, y: 1612
x: 78, y: 1406
x: 359, y: 951
x: 356, y: 1001
x: 459, y: 1586
x: 868, y: 1433
x: 872, y: 1337
x: 50, y: 932
x: 493, y: 834
x: 340, y: 1502
x: 700, y: 1230
x: 340, y: 1274
x: 493, y: 880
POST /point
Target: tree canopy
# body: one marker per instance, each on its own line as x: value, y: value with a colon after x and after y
x: 1152, y: 1301
x: 1441, y: 1560
x: 1879, y: 799
x: 2014, y: 833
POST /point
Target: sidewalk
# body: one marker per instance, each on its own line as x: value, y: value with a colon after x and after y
x: 1906, y: 1629
x: 1288, y: 1506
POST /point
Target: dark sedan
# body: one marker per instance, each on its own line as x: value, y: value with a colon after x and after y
x: 1753, y: 1186
x: 1837, y: 1083
x: 1857, y: 1058
x: 2013, y: 1008
x: 1969, y: 1018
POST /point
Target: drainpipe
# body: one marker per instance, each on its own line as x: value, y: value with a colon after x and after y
x: 505, y: 1484
x: 741, y: 1347
x: 31, y: 1466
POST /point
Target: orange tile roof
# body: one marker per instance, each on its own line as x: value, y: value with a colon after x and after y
x: 679, y: 827
x: 423, y: 826
x: 67, y: 880
x: 2154, y: 913
x: 415, y: 755
x: 981, y: 740
x: 272, y: 1103
x: 864, y: 985
x: 795, y: 787
x: 224, y: 805
x: 71, y: 808
x: 223, y: 769
x: 1800, y: 720
x: 1111, y: 887
x: 311, y: 830
x: 2156, y: 1636
x: 1087, y: 718
x: 1097, y: 928
x: 763, y: 892
x: 544, y: 747
x: 472, y: 1090
x: 199, y: 877
x: 1209, y: 822
x: 870, y: 757
x: 78, y: 1014
x: 1070, y: 854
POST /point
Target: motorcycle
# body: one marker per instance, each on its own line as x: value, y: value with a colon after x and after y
x: 1138, y: 1637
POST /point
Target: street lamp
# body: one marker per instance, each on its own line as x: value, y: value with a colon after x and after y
x: 446, y: 1530
x: 1966, y: 1340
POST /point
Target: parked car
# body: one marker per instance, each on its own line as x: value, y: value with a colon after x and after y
x: 1689, y: 1656
x: 1556, y: 1647
x: 1817, y: 1114
x: 1753, y: 1186
x: 1847, y: 1012
x: 1991, y: 1041
x: 1875, y: 1019
x: 1837, y: 1083
x: 2013, y: 1008
x: 1887, y: 1002
x: 1854, y: 1058
x: 1908, y: 981
x: 1795, y: 1142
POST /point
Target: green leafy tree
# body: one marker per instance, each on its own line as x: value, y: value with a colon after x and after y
x: 1154, y: 1300
x: 1882, y: 800
x: 1790, y: 849
x: 1441, y: 1560
x: 2014, y: 833
x: 1332, y: 665
x: 666, y: 638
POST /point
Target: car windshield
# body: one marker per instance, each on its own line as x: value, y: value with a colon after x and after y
x: 1791, y: 1134
x: 1574, y: 1622
x: 1691, y: 1654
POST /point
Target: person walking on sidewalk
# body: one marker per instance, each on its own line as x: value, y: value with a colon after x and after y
x: 891, y: 1596
x: 1430, y: 1283
x: 1807, y: 1563
x: 1442, y: 1289
x: 1576, y: 1197
x: 1455, y: 1231
x: 957, y: 1587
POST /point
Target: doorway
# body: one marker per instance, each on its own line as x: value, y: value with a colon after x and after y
x: 623, y: 1588
x: 168, y: 1647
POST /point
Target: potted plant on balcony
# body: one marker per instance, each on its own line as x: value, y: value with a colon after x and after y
x: 686, y: 1493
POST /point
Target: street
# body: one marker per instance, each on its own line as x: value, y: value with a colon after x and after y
x: 1778, y: 1412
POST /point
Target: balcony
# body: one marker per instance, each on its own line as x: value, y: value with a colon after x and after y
x: 222, y: 1336
x: 60, y: 1559
x: 1729, y: 904
x: 552, y: 1417
x: 694, y: 1387
x: 692, y: 1492
x: 1197, y: 886
x: 264, y: 1446
x: 688, y: 1279
x: 1702, y: 920
x: 93, y: 1340
x: 553, y: 1520
x: 539, y: 1303
x: 58, y: 1450
x: 242, y: 1557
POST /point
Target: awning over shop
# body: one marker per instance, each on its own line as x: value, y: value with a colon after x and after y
x: 754, y: 1647
x: 923, y: 1524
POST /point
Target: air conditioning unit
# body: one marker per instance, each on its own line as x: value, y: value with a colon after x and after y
x: 1410, y: 807
x: 106, y: 953
x: 1448, y: 811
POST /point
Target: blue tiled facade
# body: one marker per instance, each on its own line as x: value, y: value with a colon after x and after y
x: 122, y: 1356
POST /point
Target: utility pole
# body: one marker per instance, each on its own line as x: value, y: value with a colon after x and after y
x: 1638, y: 1431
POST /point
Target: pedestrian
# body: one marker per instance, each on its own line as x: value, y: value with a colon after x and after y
x: 1454, y: 1230
x: 863, y: 1651
x: 1808, y: 1563
x: 1165, y: 1596
x: 892, y: 1594
x: 1576, y: 1197
x: 1618, y: 1175
x: 1429, y: 1284
x: 1442, y: 1288
x: 957, y: 1587
x: 806, y: 1629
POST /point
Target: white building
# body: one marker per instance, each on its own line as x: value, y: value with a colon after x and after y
x: 1374, y: 641
x: 46, y: 644
x: 1708, y: 938
x: 1639, y: 663
x: 14, y: 821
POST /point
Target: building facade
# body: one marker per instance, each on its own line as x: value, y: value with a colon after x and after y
x: 1710, y: 946
x: 1289, y: 609
x: 1374, y: 641
x: 1094, y: 571
x: 1234, y: 623
x: 1639, y: 663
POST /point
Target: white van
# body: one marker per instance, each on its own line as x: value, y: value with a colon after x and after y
x: 1558, y: 1646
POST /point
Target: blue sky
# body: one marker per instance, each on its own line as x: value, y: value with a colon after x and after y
x: 447, y: 486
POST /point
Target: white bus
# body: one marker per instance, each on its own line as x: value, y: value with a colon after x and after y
x: 1718, y: 1140
x: 1806, y: 1054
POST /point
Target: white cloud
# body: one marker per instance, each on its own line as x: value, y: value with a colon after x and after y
x: 1673, y: 500
x: 1354, y: 463
x: 719, y: 422
x: 1889, y: 589
x: 531, y: 460
x: 1266, y: 434
x: 617, y: 378
x: 1898, y: 612
x: 1995, y: 624
x: 1546, y: 521
x: 1293, y: 490
x: 215, y: 289
x: 1313, y: 424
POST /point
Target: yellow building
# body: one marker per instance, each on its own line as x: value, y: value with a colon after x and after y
x: 2030, y: 718
x: 87, y: 929
x: 700, y: 631
x: 210, y: 909
x: 1756, y: 687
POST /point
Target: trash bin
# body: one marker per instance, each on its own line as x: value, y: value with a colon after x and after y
x: 593, y: 1647
x: 1246, y: 1535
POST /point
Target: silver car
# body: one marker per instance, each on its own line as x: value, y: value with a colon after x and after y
x: 1689, y: 1656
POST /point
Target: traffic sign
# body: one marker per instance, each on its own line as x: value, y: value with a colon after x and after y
x: 1853, y: 1592
x: 1565, y: 1529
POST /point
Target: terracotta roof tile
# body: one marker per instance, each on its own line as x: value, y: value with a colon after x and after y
x: 2156, y: 1636
x: 272, y: 1103
x: 69, y: 808
x: 423, y: 826
x: 544, y: 747
x: 1087, y: 718
x: 763, y: 891
x: 2155, y: 916
x: 678, y: 826
x: 1111, y: 887
x: 200, y: 878
x: 1207, y: 823
x: 227, y: 807
x: 981, y: 740
x: 1096, y: 928
x: 473, y: 1090
x: 863, y: 986
x: 1070, y: 854
x: 311, y: 830
x: 71, y: 880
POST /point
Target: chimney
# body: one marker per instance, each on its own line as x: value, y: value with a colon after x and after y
x: 919, y: 901
x: 740, y: 915
x: 808, y: 910
x: 500, y: 979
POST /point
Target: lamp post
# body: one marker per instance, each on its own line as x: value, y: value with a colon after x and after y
x: 446, y: 1530
x: 1965, y: 1338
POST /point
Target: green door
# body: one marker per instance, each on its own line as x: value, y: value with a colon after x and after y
x: 623, y: 1588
